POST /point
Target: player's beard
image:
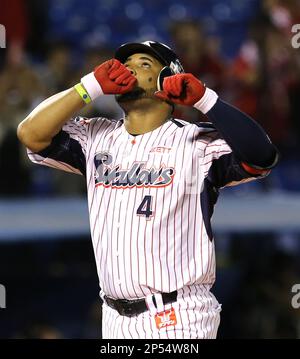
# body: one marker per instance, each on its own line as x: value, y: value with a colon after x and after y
x: 136, y: 94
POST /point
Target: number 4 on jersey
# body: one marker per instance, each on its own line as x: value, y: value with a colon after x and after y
x: 145, y: 207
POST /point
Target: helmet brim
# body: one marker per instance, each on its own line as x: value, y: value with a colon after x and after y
x: 126, y: 50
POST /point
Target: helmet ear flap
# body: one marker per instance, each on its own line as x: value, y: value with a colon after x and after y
x: 165, y: 72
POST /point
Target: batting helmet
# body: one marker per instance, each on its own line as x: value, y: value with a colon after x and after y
x: 160, y: 51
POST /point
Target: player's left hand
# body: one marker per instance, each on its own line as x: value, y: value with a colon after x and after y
x: 182, y: 89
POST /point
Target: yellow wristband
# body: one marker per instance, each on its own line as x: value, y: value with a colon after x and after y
x: 82, y: 93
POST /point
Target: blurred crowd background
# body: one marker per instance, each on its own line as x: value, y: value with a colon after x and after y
x: 243, y: 50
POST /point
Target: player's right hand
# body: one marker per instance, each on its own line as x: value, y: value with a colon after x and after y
x: 111, y: 77
x: 114, y: 77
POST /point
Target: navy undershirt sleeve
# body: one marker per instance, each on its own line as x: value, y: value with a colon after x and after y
x: 248, y: 141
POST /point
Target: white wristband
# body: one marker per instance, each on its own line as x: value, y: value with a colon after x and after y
x: 207, y: 101
x: 92, y: 86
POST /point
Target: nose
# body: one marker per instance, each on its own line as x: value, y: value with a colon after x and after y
x: 133, y: 72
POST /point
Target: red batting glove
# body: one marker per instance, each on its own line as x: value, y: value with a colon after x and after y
x: 182, y: 89
x: 111, y: 77
x: 114, y: 77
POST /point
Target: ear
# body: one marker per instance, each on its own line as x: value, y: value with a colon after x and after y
x: 165, y: 72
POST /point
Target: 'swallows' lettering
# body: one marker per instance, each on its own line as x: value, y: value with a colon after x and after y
x: 135, y: 176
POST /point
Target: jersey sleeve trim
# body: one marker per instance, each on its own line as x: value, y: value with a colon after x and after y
x: 252, y: 170
x: 227, y: 170
x: 65, y: 150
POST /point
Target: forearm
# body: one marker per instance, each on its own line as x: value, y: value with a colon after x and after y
x: 46, y: 120
x: 246, y: 137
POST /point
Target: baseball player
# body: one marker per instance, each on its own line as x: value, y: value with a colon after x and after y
x: 152, y: 184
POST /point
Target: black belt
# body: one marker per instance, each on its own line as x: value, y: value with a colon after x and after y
x: 131, y: 308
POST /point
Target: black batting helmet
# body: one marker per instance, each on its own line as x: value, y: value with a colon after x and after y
x: 162, y: 52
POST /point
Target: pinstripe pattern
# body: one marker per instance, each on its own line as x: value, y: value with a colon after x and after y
x: 135, y: 255
x: 197, y: 312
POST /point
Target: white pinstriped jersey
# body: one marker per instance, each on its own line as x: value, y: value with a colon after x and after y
x: 150, y: 199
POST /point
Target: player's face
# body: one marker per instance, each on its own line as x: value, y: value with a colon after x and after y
x: 146, y: 69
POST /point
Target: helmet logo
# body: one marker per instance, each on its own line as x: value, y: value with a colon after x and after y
x: 176, y: 66
x: 148, y: 43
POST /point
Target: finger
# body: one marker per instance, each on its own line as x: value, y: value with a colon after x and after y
x: 166, y: 84
x: 118, y: 72
x: 123, y: 78
x: 114, y: 65
x: 169, y: 86
x: 174, y: 86
x: 115, y: 73
x: 128, y: 80
x: 100, y: 67
x: 109, y: 64
x: 178, y: 85
x: 131, y: 83
x: 123, y: 89
x: 161, y: 95
x: 124, y: 81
